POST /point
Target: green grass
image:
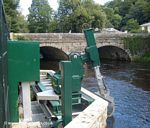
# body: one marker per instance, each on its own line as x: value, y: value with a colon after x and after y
x: 143, y: 59
x: 139, y: 47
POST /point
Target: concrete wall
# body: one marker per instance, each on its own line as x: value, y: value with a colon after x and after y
x: 94, y: 116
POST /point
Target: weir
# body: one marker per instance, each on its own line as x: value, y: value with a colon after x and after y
x: 60, y: 99
x: 59, y: 94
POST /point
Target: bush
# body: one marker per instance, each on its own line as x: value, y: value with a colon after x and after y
x: 20, y: 37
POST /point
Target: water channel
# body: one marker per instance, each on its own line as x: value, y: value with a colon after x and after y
x: 129, y: 84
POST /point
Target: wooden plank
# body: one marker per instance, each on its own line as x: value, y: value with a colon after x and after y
x: 47, y: 95
x: 26, y: 101
x: 45, y: 71
x: 25, y: 125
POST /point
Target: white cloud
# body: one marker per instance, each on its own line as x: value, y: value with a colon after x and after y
x: 102, y: 2
x: 25, y: 4
x: 53, y: 4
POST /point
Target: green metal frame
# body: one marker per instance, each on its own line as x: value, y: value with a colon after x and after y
x: 3, y: 68
x: 66, y: 91
x: 71, y: 74
x: 23, y: 66
x: 91, y: 49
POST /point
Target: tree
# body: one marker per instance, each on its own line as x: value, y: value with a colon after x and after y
x: 53, y: 25
x: 138, y: 11
x: 130, y: 9
x: 114, y: 20
x: 15, y: 20
x: 78, y: 19
x: 96, y: 14
x: 22, y: 25
x: 65, y: 14
x: 75, y: 14
x: 132, y: 26
x: 39, y: 17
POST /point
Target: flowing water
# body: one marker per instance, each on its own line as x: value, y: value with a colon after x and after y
x: 129, y: 84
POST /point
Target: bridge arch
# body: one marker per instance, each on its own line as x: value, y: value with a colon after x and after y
x: 50, y: 57
x: 114, y: 53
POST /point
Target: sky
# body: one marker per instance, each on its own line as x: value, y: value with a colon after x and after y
x: 25, y: 4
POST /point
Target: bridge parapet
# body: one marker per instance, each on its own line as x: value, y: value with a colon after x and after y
x: 70, y: 42
x: 75, y: 42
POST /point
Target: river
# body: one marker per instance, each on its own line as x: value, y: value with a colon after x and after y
x: 129, y: 84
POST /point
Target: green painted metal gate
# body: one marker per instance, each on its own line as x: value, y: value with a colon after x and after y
x: 3, y: 68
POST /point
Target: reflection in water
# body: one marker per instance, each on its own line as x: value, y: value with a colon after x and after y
x: 49, y: 65
x: 129, y: 84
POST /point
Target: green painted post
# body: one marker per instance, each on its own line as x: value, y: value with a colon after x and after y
x: 91, y: 50
x: 3, y: 69
x: 2, y: 114
x: 89, y: 37
x: 66, y: 91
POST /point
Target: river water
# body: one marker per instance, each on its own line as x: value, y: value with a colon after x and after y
x: 129, y: 84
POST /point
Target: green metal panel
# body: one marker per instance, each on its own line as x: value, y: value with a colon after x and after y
x: 66, y: 91
x: 56, y: 81
x: 91, y: 49
x: 23, y: 66
x: 24, y: 63
x: 55, y: 107
x: 77, y: 72
x: 89, y: 37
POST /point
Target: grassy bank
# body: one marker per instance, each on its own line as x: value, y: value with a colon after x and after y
x: 139, y: 47
x: 142, y: 59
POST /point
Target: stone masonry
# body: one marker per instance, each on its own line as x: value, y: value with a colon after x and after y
x: 75, y: 42
x: 70, y: 42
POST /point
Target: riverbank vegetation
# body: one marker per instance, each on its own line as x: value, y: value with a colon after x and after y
x: 139, y: 47
x: 145, y: 58
x: 74, y: 15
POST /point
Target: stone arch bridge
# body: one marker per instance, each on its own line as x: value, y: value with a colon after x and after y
x: 56, y: 46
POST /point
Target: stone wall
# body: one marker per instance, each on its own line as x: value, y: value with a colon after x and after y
x: 75, y: 42
x: 71, y: 42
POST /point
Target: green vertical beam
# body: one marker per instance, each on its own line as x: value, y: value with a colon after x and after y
x: 3, y: 67
x: 91, y: 49
x: 89, y: 37
x: 1, y: 72
x: 66, y: 91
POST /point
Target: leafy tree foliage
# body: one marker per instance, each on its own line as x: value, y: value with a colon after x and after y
x: 74, y: 15
x: 136, y: 10
x: 40, y: 16
x: 113, y: 19
x: 139, y: 12
x: 16, y: 21
x: 132, y: 26
x: 22, y: 25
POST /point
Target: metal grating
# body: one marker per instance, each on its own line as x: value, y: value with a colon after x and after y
x: 3, y: 68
